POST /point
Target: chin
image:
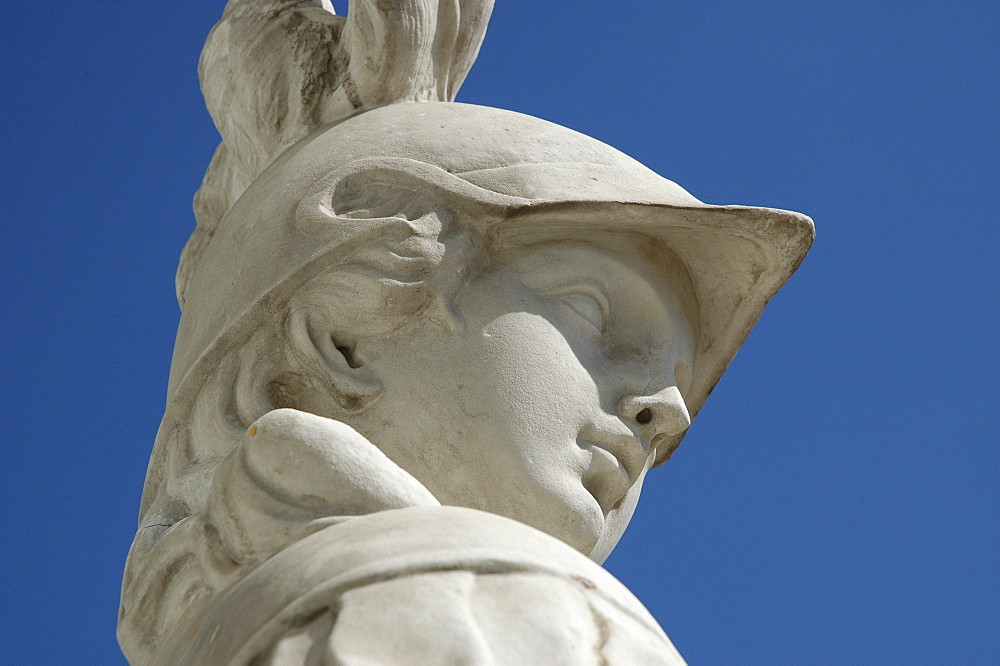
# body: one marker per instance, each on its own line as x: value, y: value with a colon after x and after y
x: 582, y: 524
x: 615, y: 523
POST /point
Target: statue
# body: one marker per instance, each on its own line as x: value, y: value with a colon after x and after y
x: 428, y: 353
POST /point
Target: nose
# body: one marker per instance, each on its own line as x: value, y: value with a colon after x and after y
x: 662, y: 413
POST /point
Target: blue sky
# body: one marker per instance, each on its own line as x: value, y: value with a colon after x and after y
x: 837, y: 499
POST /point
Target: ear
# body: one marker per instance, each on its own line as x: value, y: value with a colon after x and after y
x: 335, y: 366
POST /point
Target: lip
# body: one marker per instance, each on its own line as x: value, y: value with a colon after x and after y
x: 624, y: 447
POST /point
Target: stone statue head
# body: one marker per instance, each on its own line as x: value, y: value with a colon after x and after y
x: 520, y: 316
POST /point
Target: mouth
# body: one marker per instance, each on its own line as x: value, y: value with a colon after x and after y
x: 624, y: 448
x: 617, y: 462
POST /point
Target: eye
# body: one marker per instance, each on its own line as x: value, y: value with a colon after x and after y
x: 592, y: 308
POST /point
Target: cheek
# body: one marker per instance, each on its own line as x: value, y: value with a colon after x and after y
x: 536, y: 377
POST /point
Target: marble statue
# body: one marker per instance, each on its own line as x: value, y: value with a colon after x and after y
x: 428, y: 353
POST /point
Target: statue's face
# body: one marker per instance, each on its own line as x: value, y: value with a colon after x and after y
x: 545, y: 403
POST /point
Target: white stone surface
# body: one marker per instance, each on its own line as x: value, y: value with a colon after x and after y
x: 428, y: 353
x: 377, y: 571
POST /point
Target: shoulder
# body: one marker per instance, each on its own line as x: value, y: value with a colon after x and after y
x: 421, y: 584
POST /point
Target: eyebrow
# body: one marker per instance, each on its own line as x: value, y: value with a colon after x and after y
x: 571, y: 286
x: 597, y: 280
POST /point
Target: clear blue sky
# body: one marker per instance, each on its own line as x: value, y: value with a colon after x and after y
x: 837, y: 499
